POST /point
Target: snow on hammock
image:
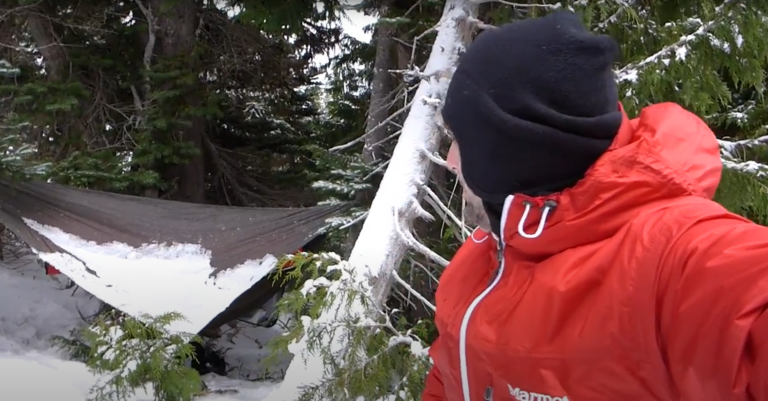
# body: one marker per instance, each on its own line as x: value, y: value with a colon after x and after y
x: 151, y: 256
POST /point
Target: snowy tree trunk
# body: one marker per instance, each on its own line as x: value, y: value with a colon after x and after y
x: 380, y: 246
x: 385, y: 236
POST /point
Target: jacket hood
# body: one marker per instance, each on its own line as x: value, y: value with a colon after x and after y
x: 667, y: 152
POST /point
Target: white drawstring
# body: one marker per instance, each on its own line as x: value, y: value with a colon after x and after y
x: 540, y: 229
x: 478, y: 241
x: 548, y: 206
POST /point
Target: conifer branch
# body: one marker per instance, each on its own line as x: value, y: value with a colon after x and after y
x: 732, y: 148
x: 630, y: 72
x: 614, y: 18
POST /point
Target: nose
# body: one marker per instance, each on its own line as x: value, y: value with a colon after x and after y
x: 453, y: 159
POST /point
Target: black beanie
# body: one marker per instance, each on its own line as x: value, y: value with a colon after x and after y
x: 532, y: 105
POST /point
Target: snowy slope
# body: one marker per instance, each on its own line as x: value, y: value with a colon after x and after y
x: 71, y: 381
x: 34, y: 307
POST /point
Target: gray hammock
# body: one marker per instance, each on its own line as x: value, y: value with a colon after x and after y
x: 127, y: 249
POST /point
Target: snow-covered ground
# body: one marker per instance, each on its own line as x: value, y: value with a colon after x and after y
x: 34, y: 307
x: 38, y: 376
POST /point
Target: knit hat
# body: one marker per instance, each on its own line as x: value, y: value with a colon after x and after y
x: 532, y: 105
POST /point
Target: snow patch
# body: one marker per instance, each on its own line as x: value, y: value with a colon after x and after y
x: 34, y: 307
x: 225, y: 389
x: 154, y: 279
x: 72, y: 381
x: 62, y: 380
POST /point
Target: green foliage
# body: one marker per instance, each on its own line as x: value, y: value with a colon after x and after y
x: 341, y: 176
x: 104, y: 169
x: 384, y: 353
x: 133, y: 353
x: 239, y: 102
x: 745, y: 194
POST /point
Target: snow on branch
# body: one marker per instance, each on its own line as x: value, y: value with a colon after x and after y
x: 614, y: 18
x: 731, y: 151
x: 733, y: 148
x: 749, y: 166
x: 380, y: 246
x: 520, y: 5
x: 631, y: 72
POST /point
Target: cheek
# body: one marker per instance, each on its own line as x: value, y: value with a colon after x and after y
x: 470, y: 196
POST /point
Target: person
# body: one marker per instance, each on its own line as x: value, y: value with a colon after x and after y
x: 602, y: 270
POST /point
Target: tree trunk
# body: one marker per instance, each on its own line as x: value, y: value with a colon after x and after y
x: 42, y: 32
x: 382, y: 87
x: 176, y: 36
x: 380, y: 247
x: 57, y: 68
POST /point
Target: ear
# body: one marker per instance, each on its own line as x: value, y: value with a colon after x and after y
x: 454, y: 159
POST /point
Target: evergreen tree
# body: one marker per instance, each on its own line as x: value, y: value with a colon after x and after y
x: 216, y: 109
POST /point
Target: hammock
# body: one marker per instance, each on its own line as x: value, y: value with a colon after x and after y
x: 151, y: 256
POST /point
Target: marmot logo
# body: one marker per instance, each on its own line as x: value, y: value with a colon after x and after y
x: 522, y: 395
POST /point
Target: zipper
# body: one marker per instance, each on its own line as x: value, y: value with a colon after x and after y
x: 499, y: 256
x: 468, y: 314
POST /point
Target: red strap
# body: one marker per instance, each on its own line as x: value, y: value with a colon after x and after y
x: 51, y: 271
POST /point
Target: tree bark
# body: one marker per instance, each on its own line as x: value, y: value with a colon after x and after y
x: 177, y: 36
x: 42, y: 32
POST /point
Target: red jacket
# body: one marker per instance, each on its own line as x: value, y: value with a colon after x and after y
x: 638, y: 287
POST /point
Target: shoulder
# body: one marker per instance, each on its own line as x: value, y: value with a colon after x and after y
x: 666, y: 226
x: 681, y: 228
x: 675, y: 216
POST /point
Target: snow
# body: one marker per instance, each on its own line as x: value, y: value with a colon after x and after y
x: 59, y: 379
x: 355, y: 23
x: 27, y: 319
x: 71, y: 381
x: 154, y: 279
x: 396, y: 198
x: 379, y: 247
x: 34, y: 307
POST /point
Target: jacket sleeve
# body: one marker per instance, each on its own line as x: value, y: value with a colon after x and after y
x: 712, y: 299
x: 433, y: 387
